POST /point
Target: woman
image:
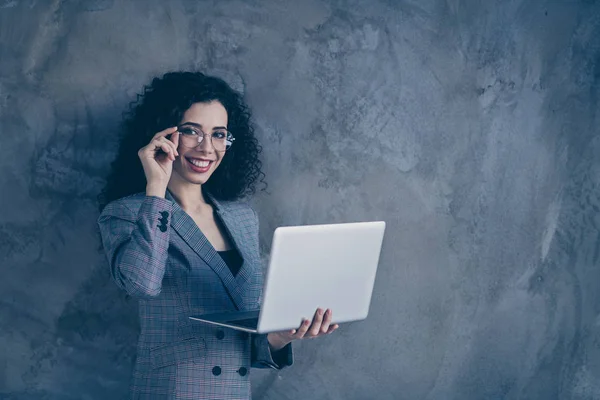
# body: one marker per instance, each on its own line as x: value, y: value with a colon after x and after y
x: 177, y: 238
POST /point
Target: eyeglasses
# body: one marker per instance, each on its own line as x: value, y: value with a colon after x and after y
x: 192, y: 136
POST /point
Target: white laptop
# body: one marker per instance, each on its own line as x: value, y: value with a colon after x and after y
x: 327, y: 266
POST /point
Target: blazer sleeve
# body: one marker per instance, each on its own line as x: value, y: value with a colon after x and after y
x: 262, y: 357
x: 136, y: 244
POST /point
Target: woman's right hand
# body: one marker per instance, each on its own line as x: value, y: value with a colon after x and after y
x: 157, y: 159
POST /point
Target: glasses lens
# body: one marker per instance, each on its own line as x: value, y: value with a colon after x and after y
x: 222, y: 140
x: 189, y: 136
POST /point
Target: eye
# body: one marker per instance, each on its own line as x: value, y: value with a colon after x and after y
x: 220, y: 134
x: 185, y: 130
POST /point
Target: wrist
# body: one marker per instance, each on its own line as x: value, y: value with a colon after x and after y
x: 156, y: 190
x: 275, y: 343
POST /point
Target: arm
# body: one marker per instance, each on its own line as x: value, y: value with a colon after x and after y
x: 263, y: 356
x: 277, y: 351
x: 136, y: 244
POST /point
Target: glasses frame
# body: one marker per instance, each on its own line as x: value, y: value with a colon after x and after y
x: 202, y: 135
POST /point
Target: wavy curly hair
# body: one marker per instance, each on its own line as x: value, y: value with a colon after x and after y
x: 162, y: 105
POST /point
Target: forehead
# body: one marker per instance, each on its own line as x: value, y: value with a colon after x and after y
x: 208, y: 115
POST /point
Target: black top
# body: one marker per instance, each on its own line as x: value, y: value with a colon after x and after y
x: 233, y: 259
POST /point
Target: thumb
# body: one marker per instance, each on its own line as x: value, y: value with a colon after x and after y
x: 175, y: 138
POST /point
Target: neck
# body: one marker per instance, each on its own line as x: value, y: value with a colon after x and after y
x: 189, y: 196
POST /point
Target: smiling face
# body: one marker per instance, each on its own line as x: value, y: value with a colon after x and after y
x: 196, y: 165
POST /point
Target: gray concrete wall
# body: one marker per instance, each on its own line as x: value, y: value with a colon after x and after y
x: 470, y: 127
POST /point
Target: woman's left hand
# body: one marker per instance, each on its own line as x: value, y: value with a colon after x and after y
x: 321, y: 325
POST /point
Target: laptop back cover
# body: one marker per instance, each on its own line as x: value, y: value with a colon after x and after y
x: 328, y: 266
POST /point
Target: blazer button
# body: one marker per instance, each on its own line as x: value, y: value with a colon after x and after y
x: 220, y: 335
x: 216, y: 371
x: 242, y: 371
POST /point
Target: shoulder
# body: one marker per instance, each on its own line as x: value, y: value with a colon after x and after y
x: 240, y: 209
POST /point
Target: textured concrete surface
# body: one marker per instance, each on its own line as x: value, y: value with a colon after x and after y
x: 470, y: 127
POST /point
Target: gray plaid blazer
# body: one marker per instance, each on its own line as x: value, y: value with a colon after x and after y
x: 157, y: 254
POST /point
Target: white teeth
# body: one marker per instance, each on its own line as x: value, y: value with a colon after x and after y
x: 201, y: 164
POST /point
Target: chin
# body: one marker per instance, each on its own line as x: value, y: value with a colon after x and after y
x: 195, y: 178
x: 199, y: 180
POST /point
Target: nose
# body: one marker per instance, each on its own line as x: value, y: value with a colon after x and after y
x: 206, y: 144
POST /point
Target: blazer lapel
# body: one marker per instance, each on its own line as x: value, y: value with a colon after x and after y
x: 235, y: 227
x: 185, y: 226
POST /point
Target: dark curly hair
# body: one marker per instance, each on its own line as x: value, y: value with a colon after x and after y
x: 162, y: 105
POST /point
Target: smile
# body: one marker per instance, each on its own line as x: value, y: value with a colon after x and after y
x: 199, y: 165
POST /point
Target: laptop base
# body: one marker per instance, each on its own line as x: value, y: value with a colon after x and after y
x: 246, y: 321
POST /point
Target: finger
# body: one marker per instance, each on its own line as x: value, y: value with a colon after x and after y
x: 332, y: 328
x: 167, y: 148
x: 153, y: 147
x: 150, y: 150
x: 326, y: 321
x: 159, y: 145
x: 302, y: 329
x: 165, y: 132
x: 175, y: 139
x: 171, y: 145
x: 162, y: 146
x: 174, y: 136
x: 317, y: 321
x: 291, y: 335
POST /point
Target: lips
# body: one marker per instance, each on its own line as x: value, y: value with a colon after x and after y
x: 199, y: 165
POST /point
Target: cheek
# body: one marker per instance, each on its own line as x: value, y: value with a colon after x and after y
x: 180, y: 162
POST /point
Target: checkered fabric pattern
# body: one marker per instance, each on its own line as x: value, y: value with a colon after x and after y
x: 157, y: 254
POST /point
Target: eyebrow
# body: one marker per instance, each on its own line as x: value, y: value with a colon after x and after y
x: 200, y: 126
